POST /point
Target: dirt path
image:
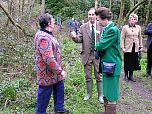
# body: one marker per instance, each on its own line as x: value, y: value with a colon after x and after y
x: 136, y: 97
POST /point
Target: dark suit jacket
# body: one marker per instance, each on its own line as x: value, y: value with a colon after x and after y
x: 148, y: 32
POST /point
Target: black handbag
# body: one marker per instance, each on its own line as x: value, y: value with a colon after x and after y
x: 108, y: 68
x: 138, y: 67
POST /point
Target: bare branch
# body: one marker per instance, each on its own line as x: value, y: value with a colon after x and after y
x: 138, y: 4
x: 11, y: 19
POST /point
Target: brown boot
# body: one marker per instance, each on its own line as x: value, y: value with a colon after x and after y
x: 110, y: 109
x: 105, y: 104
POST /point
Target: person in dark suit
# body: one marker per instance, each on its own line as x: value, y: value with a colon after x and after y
x: 148, y: 32
x: 88, y: 35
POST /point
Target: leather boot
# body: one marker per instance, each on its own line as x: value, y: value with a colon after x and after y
x: 131, y: 78
x: 110, y: 109
x: 99, y: 89
x: 89, y: 90
x: 105, y: 104
x: 126, y: 76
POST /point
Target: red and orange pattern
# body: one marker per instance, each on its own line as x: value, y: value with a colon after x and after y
x: 47, y: 59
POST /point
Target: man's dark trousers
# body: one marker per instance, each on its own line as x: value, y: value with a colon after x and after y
x: 44, y: 95
x: 149, y: 59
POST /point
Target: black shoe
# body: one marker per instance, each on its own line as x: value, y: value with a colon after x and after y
x: 131, y: 78
x: 148, y: 75
x: 126, y: 78
x: 65, y: 111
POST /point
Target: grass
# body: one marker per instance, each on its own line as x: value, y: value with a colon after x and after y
x: 18, y: 87
x: 18, y: 82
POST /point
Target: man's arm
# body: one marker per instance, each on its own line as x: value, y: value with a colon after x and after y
x: 77, y: 38
x: 148, y: 30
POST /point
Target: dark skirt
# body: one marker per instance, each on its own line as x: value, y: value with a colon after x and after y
x: 131, y: 60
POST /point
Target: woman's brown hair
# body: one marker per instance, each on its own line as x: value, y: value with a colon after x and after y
x: 104, y: 13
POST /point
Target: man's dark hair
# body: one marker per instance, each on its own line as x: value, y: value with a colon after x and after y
x: 104, y: 13
x: 44, y: 19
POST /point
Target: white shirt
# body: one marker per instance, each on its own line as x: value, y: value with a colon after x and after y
x: 94, y: 26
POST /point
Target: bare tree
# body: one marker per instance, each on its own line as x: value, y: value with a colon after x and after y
x: 100, y: 4
x: 43, y: 7
x: 96, y: 3
x: 148, y: 11
x: 29, y: 9
x: 10, y: 11
x: 19, y: 7
x: 23, y: 3
x: 110, y: 3
x: 136, y: 10
x: 121, y: 12
x: 11, y: 19
x: 131, y: 10
x: 132, y: 4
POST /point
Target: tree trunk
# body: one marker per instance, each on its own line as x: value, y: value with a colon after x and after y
x: 23, y: 3
x: 120, y: 19
x: 19, y: 8
x: 148, y: 11
x: 11, y: 19
x: 96, y: 3
x: 43, y: 7
x: 132, y: 4
x: 29, y: 9
x: 100, y: 4
x: 143, y: 1
x: 110, y: 4
x: 136, y: 10
x: 10, y: 12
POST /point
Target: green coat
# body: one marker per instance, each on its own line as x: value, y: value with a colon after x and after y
x: 110, y: 45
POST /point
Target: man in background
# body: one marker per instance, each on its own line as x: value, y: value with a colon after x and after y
x: 148, y: 32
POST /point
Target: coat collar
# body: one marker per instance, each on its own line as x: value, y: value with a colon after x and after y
x: 44, y: 30
x: 111, y: 24
x: 131, y: 25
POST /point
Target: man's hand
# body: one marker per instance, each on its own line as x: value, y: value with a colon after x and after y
x: 73, y: 34
x: 64, y: 74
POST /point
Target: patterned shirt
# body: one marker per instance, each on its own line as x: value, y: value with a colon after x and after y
x: 47, y: 58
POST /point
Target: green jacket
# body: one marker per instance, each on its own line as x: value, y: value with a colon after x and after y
x: 110, y: 45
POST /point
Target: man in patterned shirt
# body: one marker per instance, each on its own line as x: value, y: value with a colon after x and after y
x: 50, y: 74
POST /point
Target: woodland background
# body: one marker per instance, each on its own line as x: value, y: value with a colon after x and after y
x: 18, y: 87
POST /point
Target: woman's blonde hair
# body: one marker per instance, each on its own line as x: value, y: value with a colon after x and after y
x: 133, y: 15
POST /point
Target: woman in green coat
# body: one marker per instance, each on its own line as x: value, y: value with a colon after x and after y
x: 109, y: 46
